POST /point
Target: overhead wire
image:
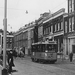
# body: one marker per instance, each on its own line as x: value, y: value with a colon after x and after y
x: 25, y: 9
x: 58, y: 5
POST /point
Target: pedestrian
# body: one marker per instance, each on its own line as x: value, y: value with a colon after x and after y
x: 14, y: 53
x: 1, y: 55
x: 71, y: 56
x: 10, y: 60
x: 23, y: 49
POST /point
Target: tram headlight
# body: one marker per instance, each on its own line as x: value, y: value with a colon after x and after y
x: 33, y: 53
x: 46, y: 50
x: 46, y: 54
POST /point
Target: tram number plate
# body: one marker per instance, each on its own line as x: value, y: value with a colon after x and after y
x: 50, y: 56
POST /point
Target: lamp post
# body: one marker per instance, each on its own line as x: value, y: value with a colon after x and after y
x: 4, y: 71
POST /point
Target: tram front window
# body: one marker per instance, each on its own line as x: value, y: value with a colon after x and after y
x: 33, y: 48
x: 51, y: 48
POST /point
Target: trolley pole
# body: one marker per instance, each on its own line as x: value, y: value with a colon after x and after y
x: 4, y: 70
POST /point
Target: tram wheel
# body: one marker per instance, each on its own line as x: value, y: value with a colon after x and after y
x: 35, y: 59
x: 32, y: 59
x: 40, y: 61
x: 52, y: 62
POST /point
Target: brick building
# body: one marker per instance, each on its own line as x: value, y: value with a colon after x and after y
x: 53, y: 27
x: 24, y: 37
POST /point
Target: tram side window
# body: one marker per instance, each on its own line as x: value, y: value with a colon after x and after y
x: 55, y: 47
x: 49, y: 47
x: 33, y: 48
x: 39, y: 48
x: 43, y: 48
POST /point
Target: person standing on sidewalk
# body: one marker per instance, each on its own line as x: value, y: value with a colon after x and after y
x: 71, y: 56
x: 10, y: 61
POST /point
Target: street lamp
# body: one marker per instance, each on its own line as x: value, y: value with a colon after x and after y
x: 4, y: 70
x: 9, y: 27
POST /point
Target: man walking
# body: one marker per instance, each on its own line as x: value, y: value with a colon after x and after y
x: 10, y: 60
x: 71, y: 56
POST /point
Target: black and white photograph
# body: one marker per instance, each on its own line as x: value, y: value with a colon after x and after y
x: 37, y: 37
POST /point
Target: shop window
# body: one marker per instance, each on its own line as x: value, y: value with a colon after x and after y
x: 73, y: 48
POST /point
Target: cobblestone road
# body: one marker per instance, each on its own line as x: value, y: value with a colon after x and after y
x: 24, y: 66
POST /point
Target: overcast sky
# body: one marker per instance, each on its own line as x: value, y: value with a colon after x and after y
x: 16, y: 11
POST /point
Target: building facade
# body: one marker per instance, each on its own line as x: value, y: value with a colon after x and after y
x: 9, y: 41
x: 40, y: 25
x: 69, y: 24
x: 71, y: 6
x: 24, y: 37
x: 0, y: 40
x: 53, y: 27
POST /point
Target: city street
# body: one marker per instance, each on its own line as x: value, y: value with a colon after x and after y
x: 44, y: 30
x: 24, y: 66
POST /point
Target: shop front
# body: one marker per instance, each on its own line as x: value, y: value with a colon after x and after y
x: 70, y: 44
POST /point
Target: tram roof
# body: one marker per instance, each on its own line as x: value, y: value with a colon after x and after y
x: 50, y: 42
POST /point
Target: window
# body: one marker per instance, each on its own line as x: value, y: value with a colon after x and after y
x: 7, y: 45
x: 61, y: 25
x: 46, y: 30
x: 65, y: 26
x: 49, y: 29
x: 10, y: 39
x: 10, y: 46
x: 58, y: 26
x: 55, y: 27
x: 43, y: 47
x: 69, y: 24
x: 70, y: 9
x: 72, y: 23
x: 72, y: 5
x: 52, y: 28
x: 0, y: 39
x: 7, y: 40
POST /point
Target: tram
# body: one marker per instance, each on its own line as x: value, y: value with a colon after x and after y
x: 44, y: 51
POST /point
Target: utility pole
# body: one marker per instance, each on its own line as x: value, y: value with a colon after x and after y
x: 4, y: 71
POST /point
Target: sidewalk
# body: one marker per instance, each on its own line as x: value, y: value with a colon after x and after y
x: 18, y: 70
x: 65, y: 61
x: 0, y: 69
